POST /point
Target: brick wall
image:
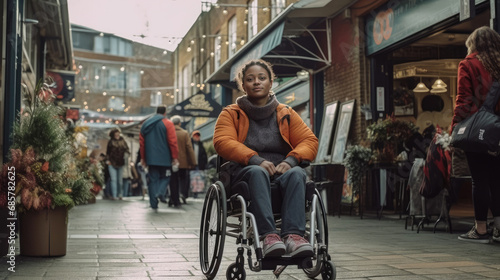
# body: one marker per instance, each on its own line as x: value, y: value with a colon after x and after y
x: 347, y: 78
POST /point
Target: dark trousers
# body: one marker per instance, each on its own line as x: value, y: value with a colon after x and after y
x: 485, y: 172
x: 184, y: 182
x: 174, y: 189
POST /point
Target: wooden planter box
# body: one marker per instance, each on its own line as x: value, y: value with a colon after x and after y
x: 44, y: 233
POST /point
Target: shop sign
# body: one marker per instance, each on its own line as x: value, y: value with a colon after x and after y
x: 398, y: 20
x: 198, y: 105
x: 62, y: 84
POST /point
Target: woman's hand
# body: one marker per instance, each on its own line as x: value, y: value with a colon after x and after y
x: 269, y: 166
x: 282, y: 167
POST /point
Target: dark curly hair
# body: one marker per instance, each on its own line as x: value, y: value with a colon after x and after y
x: 243, y: 69
x: 113, y: 131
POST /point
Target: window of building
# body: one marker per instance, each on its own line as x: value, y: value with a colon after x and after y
x: 185, y: 83
x: 232, y: 36
x: 252, y: 19
x: 83, y: 40
x: 156, y: 99
x: 277, y: 6
x: 217, y: 48
x: 134, y: 82
x: 102, y: 44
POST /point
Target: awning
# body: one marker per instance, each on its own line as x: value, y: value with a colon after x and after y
x: 198, y: 105
x: 272, y: 40
x: 298, y: 49
x: 295, y: 95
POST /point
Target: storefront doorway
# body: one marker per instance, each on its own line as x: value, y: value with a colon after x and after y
x: 415, y: 78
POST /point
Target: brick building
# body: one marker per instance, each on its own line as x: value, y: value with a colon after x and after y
x: 118, y: 78
x: 367, y: 57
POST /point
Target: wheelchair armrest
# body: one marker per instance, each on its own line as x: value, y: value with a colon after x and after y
x: 304, y: 163
x: 310, y: 190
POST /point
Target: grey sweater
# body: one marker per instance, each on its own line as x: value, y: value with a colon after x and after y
x: 263, y: 133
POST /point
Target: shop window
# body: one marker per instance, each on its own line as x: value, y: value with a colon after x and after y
x: 232, y: 36
x: 252, y: 18
x: 217, y: 47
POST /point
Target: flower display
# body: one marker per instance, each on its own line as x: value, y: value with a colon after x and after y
x: 41, y: 158
x: 388, y: 135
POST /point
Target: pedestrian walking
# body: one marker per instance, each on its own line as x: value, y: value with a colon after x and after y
x: 116, y: 149
x: 159, y: 151
x: 198, y: 175
x: 186, y: 160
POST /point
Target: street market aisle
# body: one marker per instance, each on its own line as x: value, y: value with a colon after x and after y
x: 126, y: 240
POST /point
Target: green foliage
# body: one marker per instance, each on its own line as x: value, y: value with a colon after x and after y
x: 41, y: 155
x: 41, y: 127
x: 390, y: 129
x: 388, y: 135
x: 80, y: 189
x: 356, y: 161
x: 63, y: 199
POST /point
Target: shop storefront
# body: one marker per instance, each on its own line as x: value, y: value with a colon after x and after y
x: 414, y: 48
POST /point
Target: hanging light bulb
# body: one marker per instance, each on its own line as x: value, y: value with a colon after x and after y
x: 421, y: 87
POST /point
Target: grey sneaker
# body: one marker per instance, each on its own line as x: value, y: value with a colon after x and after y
x: 298, y: 246
x: 496, y: 234
x: 273, y: 246
x: 474, y: 236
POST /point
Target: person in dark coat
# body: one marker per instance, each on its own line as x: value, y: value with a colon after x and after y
x: 200, y: 155
x: 115, y: 151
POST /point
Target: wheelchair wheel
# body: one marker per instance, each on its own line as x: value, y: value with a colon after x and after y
x: 329, y: 272
x: 213, y: 229
x: 320, y: 241
x: 235, y: 272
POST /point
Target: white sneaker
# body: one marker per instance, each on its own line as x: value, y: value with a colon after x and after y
x: 496, y: 234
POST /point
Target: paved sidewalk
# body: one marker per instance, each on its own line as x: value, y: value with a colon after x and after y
x: 126, y: 240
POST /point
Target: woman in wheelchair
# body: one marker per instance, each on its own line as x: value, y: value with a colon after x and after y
x: 268, y: 139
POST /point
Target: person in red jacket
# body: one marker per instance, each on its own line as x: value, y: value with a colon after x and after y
x: 267, y: 139
x: 475, y: 76
x: 159, y: 151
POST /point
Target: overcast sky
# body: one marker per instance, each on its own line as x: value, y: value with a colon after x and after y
x: 155, y: 19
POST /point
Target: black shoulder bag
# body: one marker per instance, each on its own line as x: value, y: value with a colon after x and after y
x: 480, y: 132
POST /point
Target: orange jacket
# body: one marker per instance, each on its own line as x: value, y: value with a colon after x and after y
x: 232, y: 127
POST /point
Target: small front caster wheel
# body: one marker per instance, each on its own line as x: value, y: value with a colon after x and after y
x: 235, y: 272
x: 329, y: 272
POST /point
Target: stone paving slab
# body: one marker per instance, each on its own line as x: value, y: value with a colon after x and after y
x: 126, y: 240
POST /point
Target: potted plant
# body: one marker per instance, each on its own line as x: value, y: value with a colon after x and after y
x: 47, y: 184
x: 387, y: 137
x: 356, y: 162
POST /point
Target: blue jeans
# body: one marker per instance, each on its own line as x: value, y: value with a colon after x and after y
x: 158, y: 183
x: 116, y: 176
x: 292, y: 185
x: 126, y: 187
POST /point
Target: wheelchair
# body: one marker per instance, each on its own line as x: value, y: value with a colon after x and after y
x: 225, y: 213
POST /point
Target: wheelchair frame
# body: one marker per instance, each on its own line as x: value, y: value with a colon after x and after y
x: 217, y: 209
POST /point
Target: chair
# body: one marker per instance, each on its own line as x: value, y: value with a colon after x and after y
x: 225, y: 213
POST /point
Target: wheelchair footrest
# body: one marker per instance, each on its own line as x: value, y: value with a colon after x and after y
x: 271, y: 262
